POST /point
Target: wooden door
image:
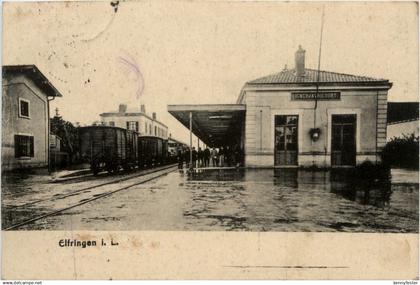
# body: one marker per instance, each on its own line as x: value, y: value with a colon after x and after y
x: 343, y: 140
x: 286, y: 140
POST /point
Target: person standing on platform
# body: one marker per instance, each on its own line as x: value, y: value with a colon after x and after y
x: 221, y: 157
x: 228, y: 156
x: 206, y: 157
x: 200, y: 158
x: 213, y: 154
x: 180, y: 158
x: 194, y: 157
x: 187, y: 157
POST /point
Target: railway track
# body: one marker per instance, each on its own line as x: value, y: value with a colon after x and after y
x: 73, y: 193
x: 153, y: 173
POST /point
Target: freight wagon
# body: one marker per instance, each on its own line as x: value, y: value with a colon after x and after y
x: 111, y: 148
x: 108, y: 148
x: 153, y: 151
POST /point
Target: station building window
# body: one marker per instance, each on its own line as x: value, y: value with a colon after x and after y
x: 24, y: 146
x: 112, y: 123
x: 23, y: 108
x: 133, y: 126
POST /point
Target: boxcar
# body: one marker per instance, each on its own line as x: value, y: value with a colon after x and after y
x: 153, y: 151
x: 108, y: 148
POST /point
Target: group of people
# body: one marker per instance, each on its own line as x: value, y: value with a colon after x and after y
x: 218, y: 157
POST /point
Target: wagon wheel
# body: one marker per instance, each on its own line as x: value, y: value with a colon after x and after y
x: 109, y: 168
x: 95, y: 169
x: 126, y: 167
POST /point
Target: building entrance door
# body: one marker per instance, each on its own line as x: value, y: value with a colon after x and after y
x: 285, y: 140
x: 343, y: 140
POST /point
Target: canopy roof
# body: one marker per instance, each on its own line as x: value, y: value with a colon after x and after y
x: 215, y: 124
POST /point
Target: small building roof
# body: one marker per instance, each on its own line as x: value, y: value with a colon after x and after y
x: 35, y: 74
x: 288, y: 76
x: 402, y: 111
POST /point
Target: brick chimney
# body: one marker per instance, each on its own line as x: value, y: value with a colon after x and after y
x: 300, y: 62
x: 122, y: 108
x: 143, y: 108
x: 154, y: 116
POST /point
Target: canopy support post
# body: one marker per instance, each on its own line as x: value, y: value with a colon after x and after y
x: 191, y: 162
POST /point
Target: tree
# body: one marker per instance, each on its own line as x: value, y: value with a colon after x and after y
x: 402, y: 152
x: 68, y: 133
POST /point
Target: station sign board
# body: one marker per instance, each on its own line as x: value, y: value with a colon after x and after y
x: 309, y: 96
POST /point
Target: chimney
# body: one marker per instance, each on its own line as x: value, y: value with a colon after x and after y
x: 143, y: 108
x: 122, y: 108
x: 154, y: 116
x: 300, y: 62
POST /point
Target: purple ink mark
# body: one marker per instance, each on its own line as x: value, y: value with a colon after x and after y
x: 131, y: 63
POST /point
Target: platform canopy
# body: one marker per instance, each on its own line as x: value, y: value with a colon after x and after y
x: 215, y: 124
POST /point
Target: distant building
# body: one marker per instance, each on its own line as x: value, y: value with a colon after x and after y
x: 55, y: 143
x: 403, y: 119
x: 136, y: 121
x: 58, y: 158
x: 25, y: 121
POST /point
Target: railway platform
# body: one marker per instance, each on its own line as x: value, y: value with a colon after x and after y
x: 260, y: 200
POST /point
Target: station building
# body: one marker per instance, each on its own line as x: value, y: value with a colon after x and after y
x: 25, y: 117
x: 298, y: 117
x: 137, y: 121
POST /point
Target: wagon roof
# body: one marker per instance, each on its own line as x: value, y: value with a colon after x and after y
x: 102, y: 127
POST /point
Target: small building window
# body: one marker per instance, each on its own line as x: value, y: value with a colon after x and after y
x: 112, y: 123
x: 24, y: 146
x: 155, y: 131
x: 23, y: 108
x: 133, y: 126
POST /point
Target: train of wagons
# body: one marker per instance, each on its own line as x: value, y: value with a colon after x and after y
x: 113, y: 148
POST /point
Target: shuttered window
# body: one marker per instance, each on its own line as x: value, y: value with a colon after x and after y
x: 23, y: 108
x: 24, y: 146
x: 133, y: 126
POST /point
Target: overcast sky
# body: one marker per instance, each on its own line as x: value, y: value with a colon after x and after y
x: 189, y: 52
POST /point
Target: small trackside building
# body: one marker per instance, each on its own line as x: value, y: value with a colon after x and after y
x: 299, y: 117
x: 25, y: 117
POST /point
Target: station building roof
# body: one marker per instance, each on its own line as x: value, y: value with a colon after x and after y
x: 213, y: 124
x: 288, y: 76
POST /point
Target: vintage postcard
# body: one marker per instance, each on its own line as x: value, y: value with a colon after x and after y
x: 210, y: 140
